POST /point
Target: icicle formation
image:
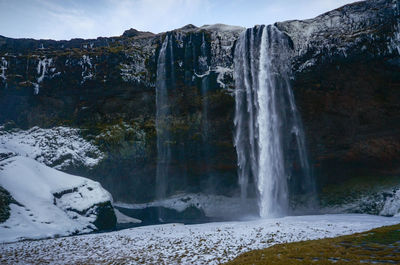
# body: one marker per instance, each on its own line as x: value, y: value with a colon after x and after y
x: 266, y: 118
x: 162, y: 112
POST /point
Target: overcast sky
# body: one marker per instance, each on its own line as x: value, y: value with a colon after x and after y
x: 66, y: 19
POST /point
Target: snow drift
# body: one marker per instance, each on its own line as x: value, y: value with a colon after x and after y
x: 51, y: 203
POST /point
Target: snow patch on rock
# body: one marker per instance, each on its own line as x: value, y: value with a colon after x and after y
x: 87, y: 68
x: 42, y: 69
x: 133, y: 68
x: 394, y: 45
x: 223, y: 38
x: 131, y: 72
x: 222, y: 41
x: 53, y: 203
x: 391, y: 206
x: 223, y: 72
x: 58, y: 147
x: 3, y: 68
x: 385, y: 202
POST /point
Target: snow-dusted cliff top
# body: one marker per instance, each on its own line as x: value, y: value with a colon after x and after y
x: 367, y: 27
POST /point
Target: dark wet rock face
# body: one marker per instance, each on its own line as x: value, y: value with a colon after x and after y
x: 135, y: 33
x: 346, y: 81
x: 106, y: 87
x: 149, y: 215
x: 347, y: 86
x: 351, y: 113
x: 105, y: 216
x: 5, y: 200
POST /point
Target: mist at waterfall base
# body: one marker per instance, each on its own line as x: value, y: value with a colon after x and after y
x: 273, y: 170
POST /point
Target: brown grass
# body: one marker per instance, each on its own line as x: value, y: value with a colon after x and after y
x: 378, y: 246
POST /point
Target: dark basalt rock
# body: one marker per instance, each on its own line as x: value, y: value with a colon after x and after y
x: 5, y: 200
x: 135, y: 33
x: 150, y: 215
x: 106, y: 219
x: 347, y: 88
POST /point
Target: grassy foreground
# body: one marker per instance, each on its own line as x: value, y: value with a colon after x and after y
x: 377, y: 246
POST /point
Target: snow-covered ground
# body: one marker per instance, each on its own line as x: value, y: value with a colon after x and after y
x: 51, y: 202
x: 210, y: 243
x: 57, y: 147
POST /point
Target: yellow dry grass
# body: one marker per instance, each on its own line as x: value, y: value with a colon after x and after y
x: 378, y: 246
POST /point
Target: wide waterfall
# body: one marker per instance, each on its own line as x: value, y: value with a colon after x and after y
x: 267, y: 123
x: 162, y: 113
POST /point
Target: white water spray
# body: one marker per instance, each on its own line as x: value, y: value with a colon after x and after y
x: 265, y: 118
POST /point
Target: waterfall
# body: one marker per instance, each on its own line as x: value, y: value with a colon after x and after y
x: 203, y: 65
x: 162, y: 123
x: 266, y: 119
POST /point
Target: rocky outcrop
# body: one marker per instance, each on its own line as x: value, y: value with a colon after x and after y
x: 58, y: 147
x: 345, y: 79
x: 38, y: 201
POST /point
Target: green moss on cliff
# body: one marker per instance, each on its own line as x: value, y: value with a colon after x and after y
x: 125, y: 138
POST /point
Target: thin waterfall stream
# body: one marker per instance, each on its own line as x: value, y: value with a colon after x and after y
x: 162, y: 124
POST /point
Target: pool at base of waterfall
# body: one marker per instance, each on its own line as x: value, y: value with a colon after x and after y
x: 190, y: 209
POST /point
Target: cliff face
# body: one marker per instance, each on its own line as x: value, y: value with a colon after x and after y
x: 106, y: 87
x: 346, y: 82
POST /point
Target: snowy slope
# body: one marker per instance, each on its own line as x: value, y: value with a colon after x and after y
x: 210, y: 243
x: 54, y: 203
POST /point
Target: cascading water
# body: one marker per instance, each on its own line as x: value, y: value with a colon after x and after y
x: 203, y: 65
x: 266, y: 119
x: 162, y: 124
